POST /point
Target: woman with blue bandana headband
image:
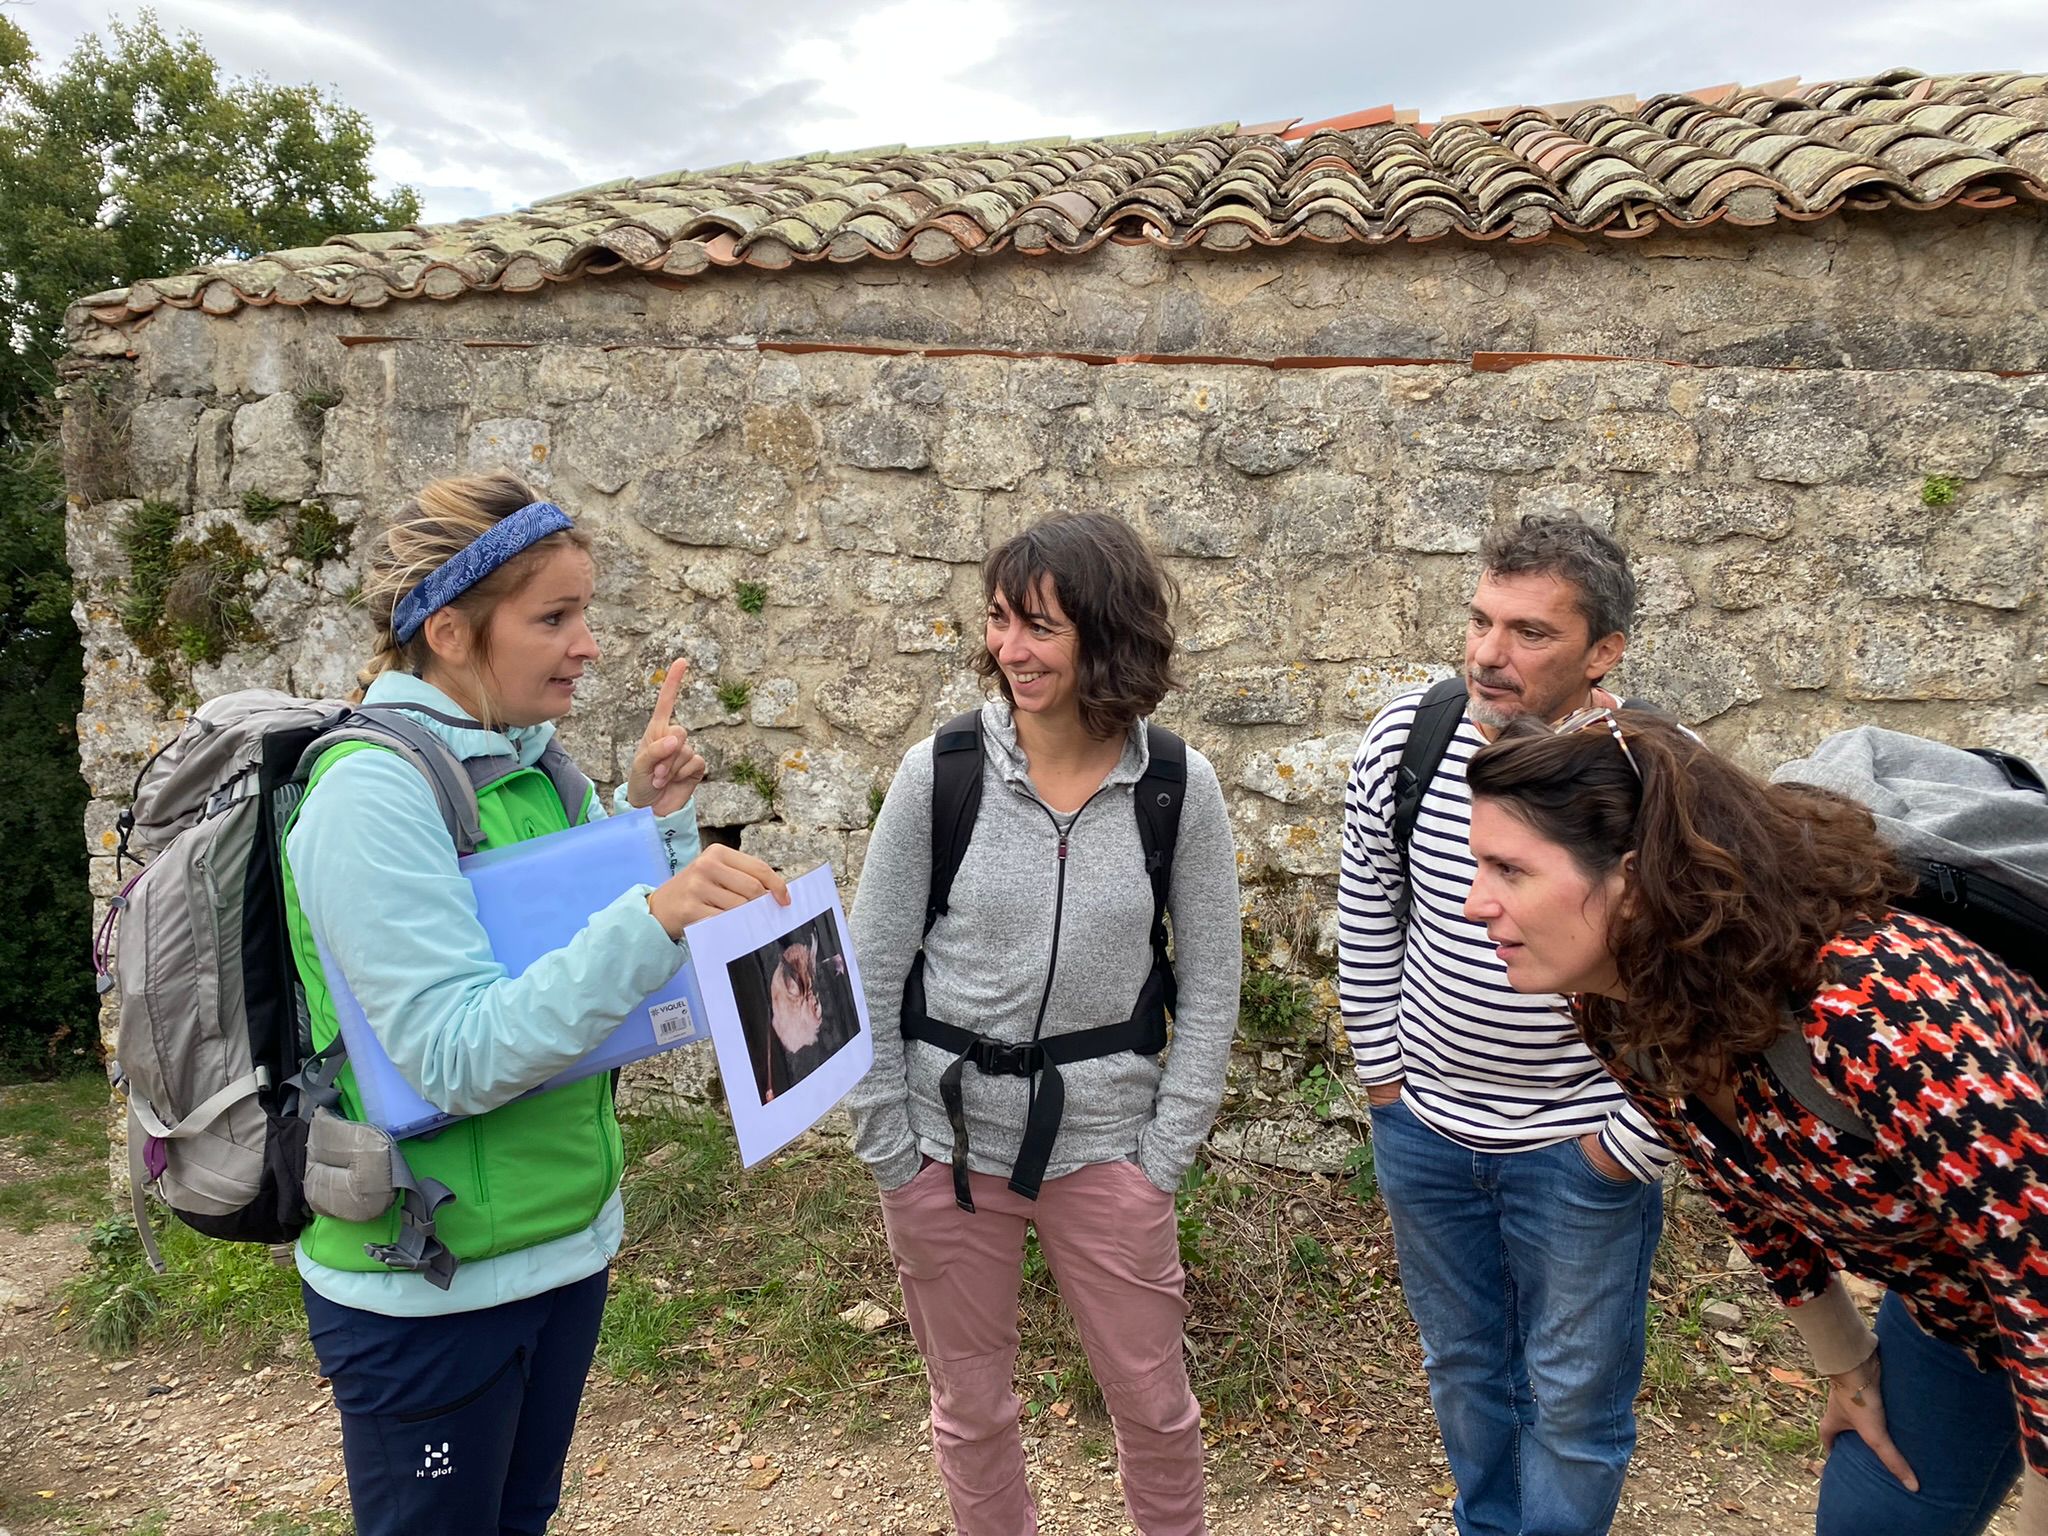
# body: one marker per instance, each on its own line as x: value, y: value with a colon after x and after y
x: 458, y: 1392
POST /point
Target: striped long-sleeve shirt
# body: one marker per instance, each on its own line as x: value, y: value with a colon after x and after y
x: 1491, y: 1068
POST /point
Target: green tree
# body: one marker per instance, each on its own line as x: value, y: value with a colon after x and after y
x: 134, y: 159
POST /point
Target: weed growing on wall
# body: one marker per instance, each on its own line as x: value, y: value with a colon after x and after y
x: 752, y: 596
x: 734, y: 697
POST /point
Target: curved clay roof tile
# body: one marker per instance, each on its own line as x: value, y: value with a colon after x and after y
x: 1613, y: 168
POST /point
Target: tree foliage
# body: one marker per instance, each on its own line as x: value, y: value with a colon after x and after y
x: 134, y: 159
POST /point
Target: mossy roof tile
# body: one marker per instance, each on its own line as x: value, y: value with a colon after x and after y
x: 1614, y: 167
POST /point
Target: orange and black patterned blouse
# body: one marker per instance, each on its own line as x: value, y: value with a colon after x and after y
x: 1939, y: 1047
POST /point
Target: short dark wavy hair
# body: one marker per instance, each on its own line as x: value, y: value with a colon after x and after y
x: 1576, y: 553
x: 1119, y: 598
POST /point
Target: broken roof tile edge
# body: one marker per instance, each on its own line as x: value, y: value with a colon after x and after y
x: 1154, y: 189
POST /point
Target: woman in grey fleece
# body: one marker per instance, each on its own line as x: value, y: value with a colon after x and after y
x: 1047, y: 933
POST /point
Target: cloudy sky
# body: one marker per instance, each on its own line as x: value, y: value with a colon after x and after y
x: 485, y: 107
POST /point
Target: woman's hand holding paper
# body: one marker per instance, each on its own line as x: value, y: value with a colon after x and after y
x: 666, y: 769
x: 717, y: 880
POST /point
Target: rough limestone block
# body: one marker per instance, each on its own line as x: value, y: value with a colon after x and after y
x: 607, y: 448
x: 1184, y: 517
x: 174, y: 352
x: 823, y: 787
x: 1366, y: 691
x: 277, y: 450
x: 1258, y: 696
x: 1315, y: 514
x: 1507, y: 447
x: 781, y: 435
x: 348, y: 449
x: 938, y: 524
x: 1802, y: 647
x: 1300, y: 1145
x: 1643, y: 442
x: 774, y: 702
x: 860, y: 513
x: 1690, y: 671
x: 1661, y: 586
x: 518, y: 444
x: 1939, y: 654
x: 902, y: 581
x: 2022, y: 732
x: 1310, y: 772
x: 988, y: 453
x: 880, y: 439
x: 214, y: 456
x: 876, y: 704
x: 1305, y: 847
x: 1351, y: 610
x: 162, y: 435
x: 1991, y: 555
x: 726, y: 804
x: 719, y: 503
x: 1268, y: 448
x: 1802, y: 444
x: 1588, y: 503
x: 1444, y: 514
x: 925, y: 635
x: 1701, y: 513
x: 793, y: 850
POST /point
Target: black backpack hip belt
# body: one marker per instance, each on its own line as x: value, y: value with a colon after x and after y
x: 1038, y: 1061
x: 957, y: 754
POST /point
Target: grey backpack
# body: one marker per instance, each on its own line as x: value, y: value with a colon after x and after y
x: 213, y: 1049
x: 1970, y: 826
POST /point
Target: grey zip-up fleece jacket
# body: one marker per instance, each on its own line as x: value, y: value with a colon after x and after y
x: 987, y: 957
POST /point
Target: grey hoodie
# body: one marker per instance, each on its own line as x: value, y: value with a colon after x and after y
x: 986, y: 960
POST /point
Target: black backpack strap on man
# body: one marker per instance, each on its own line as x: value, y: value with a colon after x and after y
x: 957, y: 753
x: 1430, y: 733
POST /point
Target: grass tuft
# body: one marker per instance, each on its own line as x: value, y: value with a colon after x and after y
x: 756, y: 775
x: 57, y: 1132
x: 734, y: 697
x: 752, y: 596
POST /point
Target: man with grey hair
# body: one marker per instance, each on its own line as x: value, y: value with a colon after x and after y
x: 1524, y: 1189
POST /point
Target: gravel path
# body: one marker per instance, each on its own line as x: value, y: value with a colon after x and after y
x: 192, y: 1443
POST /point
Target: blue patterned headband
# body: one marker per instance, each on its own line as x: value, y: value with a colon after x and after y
x: 510, y: 536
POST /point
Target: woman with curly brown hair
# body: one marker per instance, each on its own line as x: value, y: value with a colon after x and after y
x: 1695, y: 915
x: 1025, y: 1089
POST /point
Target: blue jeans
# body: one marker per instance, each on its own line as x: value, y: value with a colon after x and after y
x: 458, y: 1425
x: 1527, y: 1275
x: 1955, y: 1425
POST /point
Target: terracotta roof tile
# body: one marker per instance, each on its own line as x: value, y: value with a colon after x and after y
x: 1611, y: 166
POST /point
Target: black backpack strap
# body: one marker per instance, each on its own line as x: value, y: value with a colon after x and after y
x: 572, y: 784
x: 956, y: 801
x: 1429, y: 738
x: 1157, y: 799
x: 1791, y: 1063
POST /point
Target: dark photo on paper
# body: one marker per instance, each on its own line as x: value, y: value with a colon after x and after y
x: 795, y: 1002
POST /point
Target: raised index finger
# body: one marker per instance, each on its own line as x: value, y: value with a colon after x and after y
x: 665, y: 703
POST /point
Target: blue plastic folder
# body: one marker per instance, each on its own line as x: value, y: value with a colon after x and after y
x: 532, y: 898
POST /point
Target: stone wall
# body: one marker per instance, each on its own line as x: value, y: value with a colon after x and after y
x: 1850, y: 539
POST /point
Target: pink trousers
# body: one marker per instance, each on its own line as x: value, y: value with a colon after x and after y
x: 1109, y: 1237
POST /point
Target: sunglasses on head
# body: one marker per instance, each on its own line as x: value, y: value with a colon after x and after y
x: 1601, y: 714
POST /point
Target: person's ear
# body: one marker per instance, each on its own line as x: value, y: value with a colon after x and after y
x: 448, y: 637
x: 1605, y: 655
x: 1623, y: 890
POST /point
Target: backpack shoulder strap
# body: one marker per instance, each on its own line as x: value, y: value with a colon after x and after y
x: 956, y: 801
x: 1791, y: 1062
x: 1157, y: 799
x: 1429, y: 738
x: 572, y: 784
x: 444, y: 773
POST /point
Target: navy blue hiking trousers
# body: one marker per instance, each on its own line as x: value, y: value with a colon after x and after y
x: 458, y: 1425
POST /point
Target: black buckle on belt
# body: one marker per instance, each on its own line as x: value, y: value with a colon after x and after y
x: 999, y: 1058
